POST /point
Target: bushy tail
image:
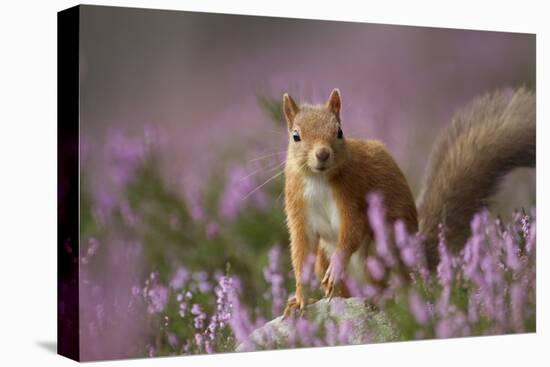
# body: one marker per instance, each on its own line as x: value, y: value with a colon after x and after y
x: 486, y: 140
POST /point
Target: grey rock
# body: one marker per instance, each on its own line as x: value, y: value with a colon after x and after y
x: 327, y: 321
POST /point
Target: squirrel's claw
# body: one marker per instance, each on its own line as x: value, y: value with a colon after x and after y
x: 331, y: 279
x: 294, y: 305
x: 329, y: 288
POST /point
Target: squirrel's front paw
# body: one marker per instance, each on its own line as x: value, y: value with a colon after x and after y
x: 297, y: 303
x: 334, y: 274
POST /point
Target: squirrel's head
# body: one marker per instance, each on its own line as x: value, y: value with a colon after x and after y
x: 316, y: 141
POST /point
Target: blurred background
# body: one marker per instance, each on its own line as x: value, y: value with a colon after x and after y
x: 181, y: 121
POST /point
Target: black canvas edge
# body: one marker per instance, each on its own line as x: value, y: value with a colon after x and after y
x: 68, y: 326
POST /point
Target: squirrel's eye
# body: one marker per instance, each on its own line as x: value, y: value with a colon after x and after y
x: 296, y: 136
x: 340, y: 133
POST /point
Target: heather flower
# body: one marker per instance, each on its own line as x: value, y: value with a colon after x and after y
x: 308, y: 276
x: 240, y: 322
x: 274, y: 277
x: 223, y: 301
x: 472, y: 254
x: 199, y: 316
x: 158, y: 298
x: 305, y: 331
x: 402, y: 240
x: 444, y: 269
x: 376, y: 215
x: 371, y: 292
x: 180, y: 278
x: 337, y: 266
x: 345, y: 332
x: 354, y: 287
x: 224, y: 310
x: 199, y: 339
x: 452, y: 326
x: 172, y: 340
x: 525, y: 224
x: 202, y: 282
x: 375, y: 268
x: 418, y: 308
x: 512, y: 250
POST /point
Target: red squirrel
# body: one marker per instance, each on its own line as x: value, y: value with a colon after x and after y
x: 328, y: 176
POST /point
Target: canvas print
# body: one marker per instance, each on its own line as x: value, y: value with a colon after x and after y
x: 233, y: 183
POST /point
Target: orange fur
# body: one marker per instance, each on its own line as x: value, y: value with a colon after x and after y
x: 354, y: 168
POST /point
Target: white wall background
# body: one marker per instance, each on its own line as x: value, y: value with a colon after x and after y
x: 28, y: 180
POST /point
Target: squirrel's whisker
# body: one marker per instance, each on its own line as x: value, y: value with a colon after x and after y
x: 262, y: 169
x: 267, y: 156
x: 265, y: 183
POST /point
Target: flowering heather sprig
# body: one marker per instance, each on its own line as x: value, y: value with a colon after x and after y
x: 411, y: 251
x: 375, y: 268
x: 308, y: 278
x: 183, y: 302
x: 199, y: 316
x: 201, y: 282
x: 445, y: 266
x: 180, y: 278
x: 495, y: 271
x: 377, y: 220
x: 419, y: 308
x: 158, y: 298
x: 274, y: 277
x: 222, y: 315
x: 525, y: 223
x: 241, y: 322
x: 155, y: 294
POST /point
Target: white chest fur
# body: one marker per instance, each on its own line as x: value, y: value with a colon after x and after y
x: 322, y: 215
x: 323, y: 221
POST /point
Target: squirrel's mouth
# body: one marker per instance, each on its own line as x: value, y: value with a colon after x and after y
x: 320, y: 168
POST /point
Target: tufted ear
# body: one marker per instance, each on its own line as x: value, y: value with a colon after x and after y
x: 334, y: 102
x: 290, y: 109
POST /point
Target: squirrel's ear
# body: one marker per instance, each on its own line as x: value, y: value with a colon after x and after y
x: 334, y: 102
x: 290, y: 109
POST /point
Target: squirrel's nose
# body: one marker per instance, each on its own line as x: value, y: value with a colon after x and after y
x: 322, y: 154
